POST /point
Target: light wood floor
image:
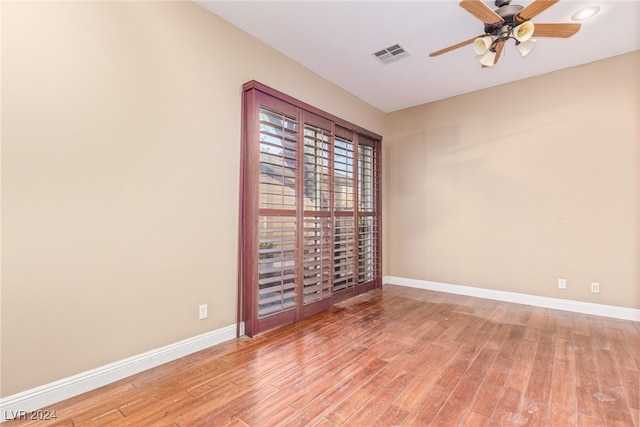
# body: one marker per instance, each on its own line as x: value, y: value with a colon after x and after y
x: 399, y: 356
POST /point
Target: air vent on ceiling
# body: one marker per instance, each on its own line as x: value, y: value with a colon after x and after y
x: 391, y: 53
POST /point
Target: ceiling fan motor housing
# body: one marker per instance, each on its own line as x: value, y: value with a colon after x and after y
x: 507, y: 12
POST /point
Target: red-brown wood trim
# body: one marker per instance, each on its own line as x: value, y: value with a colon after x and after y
x: 344, y: 294
x: 253, y: 84
x: 378, y: 195
x: 250, y: 213
x: 241, y: 222
x: 299, y: 256
x: 274, y: 321
x: 316, y: 307
x: 366, y: 287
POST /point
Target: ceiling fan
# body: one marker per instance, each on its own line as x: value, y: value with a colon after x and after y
x: 508, y: 21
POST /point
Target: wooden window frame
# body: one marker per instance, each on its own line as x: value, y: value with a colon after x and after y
x: 257, y: 96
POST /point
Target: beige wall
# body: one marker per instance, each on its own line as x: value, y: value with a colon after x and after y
x: 120, y: 171
x: 513, y: 187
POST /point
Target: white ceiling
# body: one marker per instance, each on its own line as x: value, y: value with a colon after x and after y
x: 336, y: 40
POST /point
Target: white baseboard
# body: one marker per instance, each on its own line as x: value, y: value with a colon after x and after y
x: 538, y: 301
x: 22, y: 403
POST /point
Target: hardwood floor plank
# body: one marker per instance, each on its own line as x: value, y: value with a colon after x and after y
x: 379, y: 403
x: 508, y: 409
x: 456, y: 405
x: 622, y: 347
x: 225, y: 413
x: 491, y: 388
x: 270, y: 408
x: 476, y: 420
x: 353, y: 402
x: 524, y: 359
x: 329, y: 399
x: 400, y: 356
x: 635, y: 416
x: 392, y: 416
x: 563, y: 385
x: 276, y: 418
x: 539, y: 385
x: 587, y: 387
x: 323, y: 422
x: 427, y: 410
x: 561, y: 416
x: 315, y: 387
x: 536, y: 413
x: 415, y: 393
x: 631, y: 382
x: 156, y: 411
x: 580, y: 323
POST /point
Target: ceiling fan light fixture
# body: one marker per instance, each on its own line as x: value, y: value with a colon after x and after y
x: 482, y: 44
x: 526, y: 47
x: 512, y: 22
x: 585, y: 13
x: 523, y: 32
x: 488, y: 59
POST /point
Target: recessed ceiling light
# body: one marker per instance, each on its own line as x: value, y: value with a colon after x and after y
x: 585, y: 13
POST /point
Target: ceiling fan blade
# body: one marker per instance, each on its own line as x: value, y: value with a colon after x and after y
x: 499, y: 47
x: 481, y: 11
x: 453, y: 47
x: 534, y: 9
x: 555, y: 30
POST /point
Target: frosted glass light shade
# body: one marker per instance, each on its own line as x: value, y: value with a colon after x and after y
x: 488, y: 58
x: 526, y: 47
x: 482, y: 44
x: 524, y: 31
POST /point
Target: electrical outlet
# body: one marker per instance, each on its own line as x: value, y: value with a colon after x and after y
x: 202, y: 312
x: 562, y: 283
x: 595, y: 287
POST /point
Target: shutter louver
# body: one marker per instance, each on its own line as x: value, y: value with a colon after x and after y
x: 367, y: 249
x: 317, y: 259
x: 343, y: 257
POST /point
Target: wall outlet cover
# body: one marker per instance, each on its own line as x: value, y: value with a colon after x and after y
x: 202, y: 312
